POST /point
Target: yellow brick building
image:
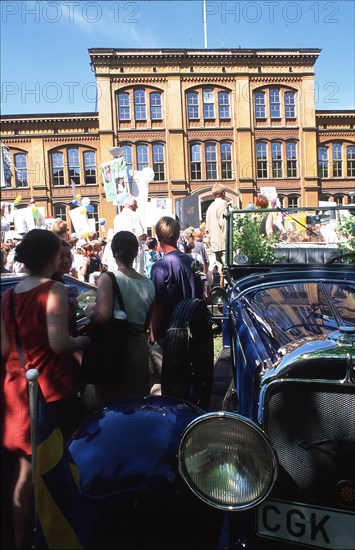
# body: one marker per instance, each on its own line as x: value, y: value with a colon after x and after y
x: 242, y: 117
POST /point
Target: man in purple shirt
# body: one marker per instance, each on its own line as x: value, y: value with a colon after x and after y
x: 174, y: 281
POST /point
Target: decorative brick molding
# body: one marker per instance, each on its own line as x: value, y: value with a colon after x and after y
x: 81, y: 139
x: 141, y: 136
x: 6, y: 141
x: 210, y: 134
x: 138, y: 80
x: 276, y: 134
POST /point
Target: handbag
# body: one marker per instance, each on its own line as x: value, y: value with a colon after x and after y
x: 104, y: 357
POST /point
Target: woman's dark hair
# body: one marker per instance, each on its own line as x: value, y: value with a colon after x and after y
x: 37, y: 248
x: 151, y: 243
x: 125, y: 246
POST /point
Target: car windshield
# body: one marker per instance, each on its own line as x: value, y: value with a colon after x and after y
x: 279, y: 236
x: 301, y: 309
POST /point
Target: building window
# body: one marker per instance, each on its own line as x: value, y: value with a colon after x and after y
x: 276, y: 160
x: 123, y: 107
x: 60, y: 211
x: 57, y: 168
x: 275, y: 103
x: 142, y: 157
x: 192, y: 106
x: 339, y: 200
x: 94, y: 215
x: 158, y: 162
x: 337, y: 161
x: 208, y: 103
x: 71, y: 165
x: 291, y: 159
x: 195, y: 162
x: 128, y: 156
x: 223, y: 105
x: 89, y: 167
x: 74, y: 166
x: 226, y: 161
x: 350, y: 161
x: 260, y: 109
x: 155, y: 106
x: 290, y: 111
x: 139, y: 105
x: 323, y: 162
x: 211, y: 161
x: 20, y: 163
x: 261, y: 156
x: 292, y: 202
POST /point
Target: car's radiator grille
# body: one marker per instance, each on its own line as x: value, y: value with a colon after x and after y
x: 312, y: 429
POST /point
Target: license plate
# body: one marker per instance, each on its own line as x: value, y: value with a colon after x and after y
x: 310, y: 525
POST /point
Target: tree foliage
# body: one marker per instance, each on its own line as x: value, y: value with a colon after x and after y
x: 248, y: 241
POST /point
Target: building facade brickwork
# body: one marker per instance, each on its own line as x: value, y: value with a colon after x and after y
x: 244, y: 118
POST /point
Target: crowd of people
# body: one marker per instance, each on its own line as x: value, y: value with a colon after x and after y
x: 39, y: 331
x: 38, y: 327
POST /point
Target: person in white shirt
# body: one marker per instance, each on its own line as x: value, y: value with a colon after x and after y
x: 128, y: 220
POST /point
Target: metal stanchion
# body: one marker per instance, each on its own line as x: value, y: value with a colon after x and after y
x: 32, y: 379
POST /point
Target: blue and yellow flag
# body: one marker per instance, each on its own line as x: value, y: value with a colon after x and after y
x: 60, y: 508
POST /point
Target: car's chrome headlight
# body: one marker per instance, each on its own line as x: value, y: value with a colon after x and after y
x: 218, y: 295
x: 227, y: 461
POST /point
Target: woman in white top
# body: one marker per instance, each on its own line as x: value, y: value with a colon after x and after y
x: 138, y: 295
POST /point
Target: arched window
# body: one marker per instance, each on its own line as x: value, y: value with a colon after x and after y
x: 290, y: 110
x: 276, y: 152
x: 323, y: 162
x: 223, y: 105
x: 192, y: 106
x: 211, y: 161
x: 337, y: 160
x: 155, y: 106
x: 275, y: 111
x: 20, y: 162
x: 158, y: 162
x: 292, y: 201
x: 60, y: 211
x: 57, y: 168
x: 195, y: 154
x: 123, y: 107
x: 128, y: 156
x: 350, y: 161
x: 260, y: 107
x: 90, y: 167
x: 291, y: 159
x: 226, y: 160
x: 261, y: 156
x: 142, y: 157
x: 140, y: 112
x: 74, y: 166
x: 208, y: 103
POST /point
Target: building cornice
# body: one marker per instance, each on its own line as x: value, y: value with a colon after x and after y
x: 121, y: 56
x: 50, y: 118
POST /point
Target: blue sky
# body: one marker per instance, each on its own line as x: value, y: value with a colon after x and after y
x: 45, y: 65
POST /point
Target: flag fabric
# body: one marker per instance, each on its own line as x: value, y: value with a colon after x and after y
x: 60, y: 508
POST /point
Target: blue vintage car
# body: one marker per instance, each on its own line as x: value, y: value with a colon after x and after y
x: 268, y: 462
x: 256, y: 451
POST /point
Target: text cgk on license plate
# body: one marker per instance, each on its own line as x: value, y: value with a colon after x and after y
x: 311, y: 525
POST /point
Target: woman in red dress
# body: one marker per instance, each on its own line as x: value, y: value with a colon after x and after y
x: 40, y: 317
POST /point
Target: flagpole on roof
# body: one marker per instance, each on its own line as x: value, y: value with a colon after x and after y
x: 32, y: 377
x: 205, y: 23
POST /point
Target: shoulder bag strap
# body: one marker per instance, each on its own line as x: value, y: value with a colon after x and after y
x: 20, y: 350
x: 116, y: 291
